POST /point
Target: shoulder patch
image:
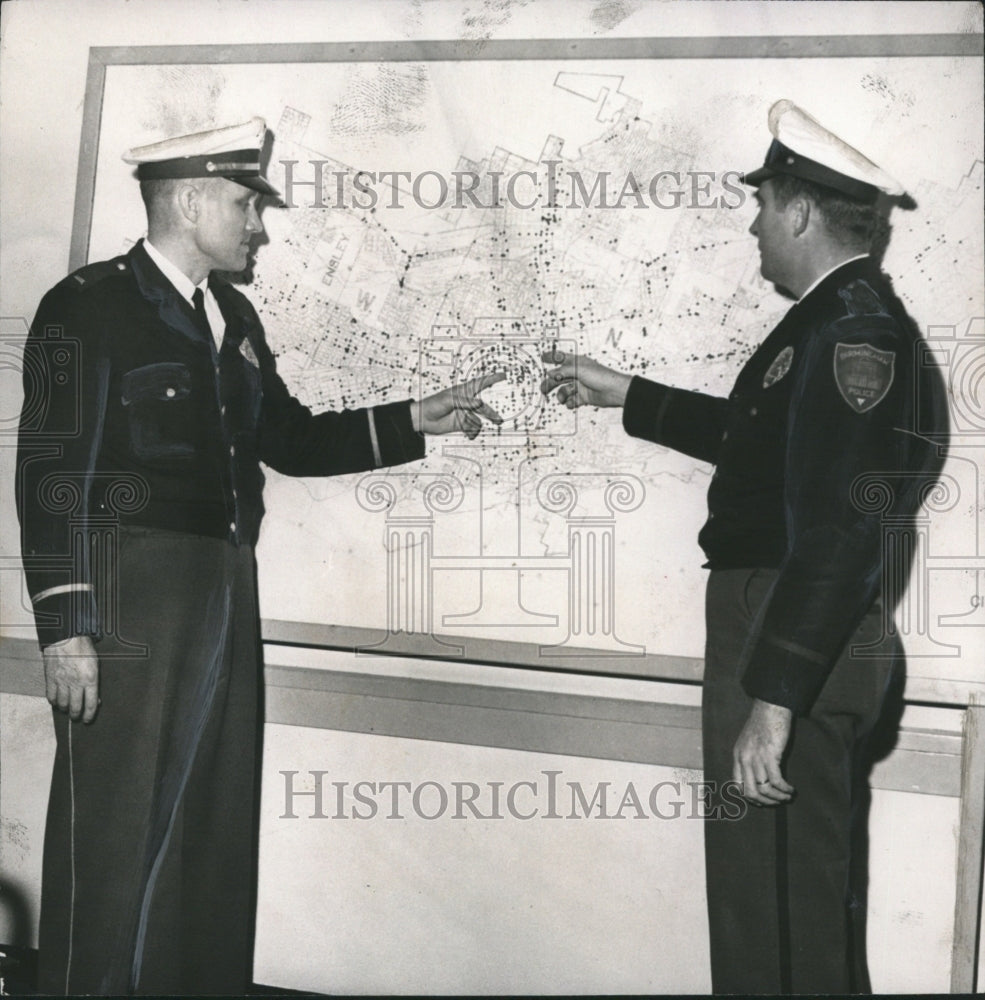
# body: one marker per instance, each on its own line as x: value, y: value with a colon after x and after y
x: 780, y: 367
x: 863, y: 374
x: 90, y: 275
x: 861, y: 300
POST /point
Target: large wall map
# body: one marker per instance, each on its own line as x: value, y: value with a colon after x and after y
x: 446, y: 218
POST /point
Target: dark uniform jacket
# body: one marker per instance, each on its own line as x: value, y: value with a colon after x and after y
x: 813, y: 448
x: 131, y: 413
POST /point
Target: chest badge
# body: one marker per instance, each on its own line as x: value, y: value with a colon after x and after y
x: 863, y: 374
x: 779, y: 368
x: 246, y: 349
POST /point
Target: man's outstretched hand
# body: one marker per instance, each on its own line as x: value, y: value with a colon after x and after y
x: 458, y: 408
x: 580, y: 381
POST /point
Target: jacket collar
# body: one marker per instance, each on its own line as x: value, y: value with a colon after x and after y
x: 830, y: 271
x: 235, y: 309
x: 838, y: 277
x: 173, y: 308
x: 795, y: 323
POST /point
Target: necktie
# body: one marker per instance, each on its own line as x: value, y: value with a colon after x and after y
x: 198, y: 301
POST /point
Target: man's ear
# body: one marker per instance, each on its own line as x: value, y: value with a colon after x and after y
x: 189, y: 199
x: 799, y: 215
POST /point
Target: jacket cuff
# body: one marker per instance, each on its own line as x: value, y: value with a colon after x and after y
x: 61, y: 616
x: 393, y: 436
x: 644, y: 407
x: 784, y: 673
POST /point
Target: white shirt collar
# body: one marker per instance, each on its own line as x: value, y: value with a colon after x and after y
x: 860, y: 256
x: 174, y: 274
x: 183, y: 285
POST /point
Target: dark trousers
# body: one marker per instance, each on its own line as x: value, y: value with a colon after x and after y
x: 786, y: 897
x: 150, y: 845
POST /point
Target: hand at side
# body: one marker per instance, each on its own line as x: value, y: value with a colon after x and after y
x: 71, y: 674
x: 758, y: 752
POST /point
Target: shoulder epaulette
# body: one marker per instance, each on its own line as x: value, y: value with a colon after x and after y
x: 90, y: 275
x: 872, y: 328
x: 861, y: 299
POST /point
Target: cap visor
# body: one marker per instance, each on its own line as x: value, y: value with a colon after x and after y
x: 260, y: 184
x: 756, y: 177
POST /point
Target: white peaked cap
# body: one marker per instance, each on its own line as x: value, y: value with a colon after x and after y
x: 232, y: 152
x: 804, y: 148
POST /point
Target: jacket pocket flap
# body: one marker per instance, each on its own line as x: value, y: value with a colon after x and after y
x: 164, y: 380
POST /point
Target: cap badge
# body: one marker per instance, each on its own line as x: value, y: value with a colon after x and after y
x: 779, y: 368
x: 246, y: 349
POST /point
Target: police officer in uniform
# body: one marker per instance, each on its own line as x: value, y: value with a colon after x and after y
x: 816, y: 442
x: 151, y: 649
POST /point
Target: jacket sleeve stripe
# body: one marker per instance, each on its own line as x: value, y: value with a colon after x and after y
x: 374, y: 440
x: 67, y: 588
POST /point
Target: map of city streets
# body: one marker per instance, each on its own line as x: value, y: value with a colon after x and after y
x: 444, y: 219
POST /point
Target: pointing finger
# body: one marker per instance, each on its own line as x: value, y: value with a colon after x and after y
x: 466, y: 389
x: 567, y: 391
x: 484, y: 409
x: 467, y: 397
x: 476, y: 385
x: 558, y: 376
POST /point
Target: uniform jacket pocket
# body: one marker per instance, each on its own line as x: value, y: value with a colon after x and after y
x: 158, y: 400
